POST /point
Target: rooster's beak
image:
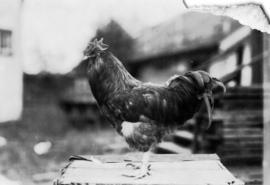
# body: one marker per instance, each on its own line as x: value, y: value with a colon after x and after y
x: 218, y: 86
x: 84, y: 58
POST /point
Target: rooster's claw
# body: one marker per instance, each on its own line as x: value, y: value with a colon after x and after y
x: 133, y: 166
x: 145, y: 171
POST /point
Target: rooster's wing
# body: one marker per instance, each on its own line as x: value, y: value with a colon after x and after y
x: 157, y: 105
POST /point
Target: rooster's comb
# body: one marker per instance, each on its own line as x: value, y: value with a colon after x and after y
x: 95, y: 47
x: 99, y: 44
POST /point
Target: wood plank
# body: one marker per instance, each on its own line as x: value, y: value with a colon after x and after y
x: 243, y: 136
x: 173, y: 148
x: 241, y: 144
x: 184, y: 134
x: 136, y: 157
x: 251, y: 131
x: 238, y: 159
x: 242, y: 124
x: 242, y: 152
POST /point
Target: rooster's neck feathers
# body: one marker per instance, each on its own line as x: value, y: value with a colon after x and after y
x: 108, y: 75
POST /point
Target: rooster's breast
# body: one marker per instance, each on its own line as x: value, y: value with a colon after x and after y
x: 140, y: 135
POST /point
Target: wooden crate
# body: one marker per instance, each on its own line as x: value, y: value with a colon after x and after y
x: 175, y: 169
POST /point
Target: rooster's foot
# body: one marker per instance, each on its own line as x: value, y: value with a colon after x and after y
x: 133, y: 166
x: 143, y: 172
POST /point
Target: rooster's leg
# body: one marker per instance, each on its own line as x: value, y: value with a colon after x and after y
x: 144, y: 168
x: 142, y: 164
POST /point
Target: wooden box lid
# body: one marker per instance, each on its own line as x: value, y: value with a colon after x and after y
x: 166, y: 169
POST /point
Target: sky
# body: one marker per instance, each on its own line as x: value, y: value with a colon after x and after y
x: 55, y: 32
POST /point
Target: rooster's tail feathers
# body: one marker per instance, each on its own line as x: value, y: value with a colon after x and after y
x: 206, y: 84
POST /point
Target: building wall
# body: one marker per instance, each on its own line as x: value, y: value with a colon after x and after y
x: 10, y: 64
x: 161, y: 73
x: 42, y: 95
x: 266, y: 83
x: 245, y: 52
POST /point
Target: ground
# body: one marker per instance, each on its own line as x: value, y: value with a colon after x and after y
x: 18, y: 161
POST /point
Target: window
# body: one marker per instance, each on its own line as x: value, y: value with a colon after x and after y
x: 246, y: 74
x: 5, y: 42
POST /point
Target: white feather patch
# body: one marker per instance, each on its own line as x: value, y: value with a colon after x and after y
x: 128, y: 128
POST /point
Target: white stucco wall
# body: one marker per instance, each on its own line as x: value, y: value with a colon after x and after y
x: 10, y: 66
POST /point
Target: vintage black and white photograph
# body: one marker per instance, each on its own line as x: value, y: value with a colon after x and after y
x: 149, y: 92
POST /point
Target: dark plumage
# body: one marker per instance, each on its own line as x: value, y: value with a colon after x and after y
x: 142, y: 112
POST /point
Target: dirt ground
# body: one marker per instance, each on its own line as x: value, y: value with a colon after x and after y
x: 18, y: 160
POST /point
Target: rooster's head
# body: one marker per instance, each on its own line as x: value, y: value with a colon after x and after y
x: 94, y: 49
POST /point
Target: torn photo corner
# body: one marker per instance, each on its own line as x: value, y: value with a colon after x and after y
x: 254, y: 14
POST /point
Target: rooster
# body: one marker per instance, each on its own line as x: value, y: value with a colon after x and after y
x: 143, y: 113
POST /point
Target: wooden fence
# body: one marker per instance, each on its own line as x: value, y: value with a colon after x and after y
x: 237, y: 132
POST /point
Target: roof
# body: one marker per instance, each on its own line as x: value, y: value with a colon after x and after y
x: 185, y: 32
x: 80, y: 70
